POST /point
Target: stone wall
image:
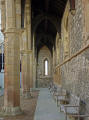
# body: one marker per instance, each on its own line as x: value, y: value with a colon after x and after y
x: 75, y: 71
x: 75, y: 76
x: 42, y: 80
x: 76, y: 28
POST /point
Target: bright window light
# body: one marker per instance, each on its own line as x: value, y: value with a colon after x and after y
x: 46, y: 67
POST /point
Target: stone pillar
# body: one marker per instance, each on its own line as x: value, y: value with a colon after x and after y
x: 12, y: 62
x: 31, y: 69
x: 28, y: 15
x: 34, y: 63
x: 18, y: 24
x: 18, y: 15
x: 25, y: 59
x: 28, y: 23
x: 27, y: 53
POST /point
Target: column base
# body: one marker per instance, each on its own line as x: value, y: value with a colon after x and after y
x: 10, y: 111
x: 27, y: 94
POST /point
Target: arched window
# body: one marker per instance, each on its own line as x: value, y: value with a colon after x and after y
x: 46, y: 67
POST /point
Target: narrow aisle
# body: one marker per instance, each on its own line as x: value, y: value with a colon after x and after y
x: 46, y: 107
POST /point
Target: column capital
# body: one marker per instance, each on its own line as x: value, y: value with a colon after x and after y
x: 12, y: 30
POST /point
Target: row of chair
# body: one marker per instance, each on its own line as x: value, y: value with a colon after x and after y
x: 68, y: 103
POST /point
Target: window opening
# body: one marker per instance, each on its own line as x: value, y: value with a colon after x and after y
x: 46, y: 67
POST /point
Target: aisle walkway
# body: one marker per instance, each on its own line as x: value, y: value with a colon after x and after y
x: 46, y: 107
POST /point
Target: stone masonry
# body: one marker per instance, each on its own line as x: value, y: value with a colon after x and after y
x: 42, y: 80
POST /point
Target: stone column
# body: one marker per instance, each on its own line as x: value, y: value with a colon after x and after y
x: 31, y: 69
x: 28, y: 13
x: 28, y: 23
x: 18, y: 24
x: 27, y: 53
x: 12, y: 62
x: 25, y: 60
x: 34, y: 63
x: 18, y: 15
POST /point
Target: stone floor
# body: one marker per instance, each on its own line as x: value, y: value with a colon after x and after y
x: 46, y: 107
x: 28, y: 107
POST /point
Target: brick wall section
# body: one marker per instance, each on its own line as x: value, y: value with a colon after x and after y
x: 42, y: 80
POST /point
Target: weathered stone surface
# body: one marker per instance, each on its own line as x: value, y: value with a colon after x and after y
x: 26, y: 53
x: 42, y: 80
x: 68, y: 66
x: 76, y: 28
x: 75, y: 76
x: 12, y: 62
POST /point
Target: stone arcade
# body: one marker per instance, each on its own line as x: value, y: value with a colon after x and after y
x: 44, y: 34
